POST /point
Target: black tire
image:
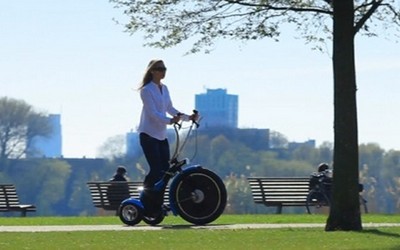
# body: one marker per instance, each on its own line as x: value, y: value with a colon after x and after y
x: 153, y: 221
x: 317, y: 202
x: 199, y: 196
x: 130, y: 214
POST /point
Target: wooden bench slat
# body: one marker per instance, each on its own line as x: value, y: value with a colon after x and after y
x: 9, y: 201
x: 279, y: 191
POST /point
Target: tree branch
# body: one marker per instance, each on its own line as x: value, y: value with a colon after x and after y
x: 284, y: 8
x: 361, y: 22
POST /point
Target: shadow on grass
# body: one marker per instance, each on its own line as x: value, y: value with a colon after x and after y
x: 384, y: 234
x: 380, y: 233
x: 190, y: 226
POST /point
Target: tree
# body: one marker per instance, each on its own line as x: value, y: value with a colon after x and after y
x: 277, y: 140
x: 19, y: 124
x: 113, y: 148
x: 166, y: 23
x: 45, y: 181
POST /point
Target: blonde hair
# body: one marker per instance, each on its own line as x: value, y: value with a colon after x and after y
x: 148, y: 77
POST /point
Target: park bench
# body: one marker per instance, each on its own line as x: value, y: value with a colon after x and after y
x: 108, y: 195
x: 279, y: 191
x: 9, y: 201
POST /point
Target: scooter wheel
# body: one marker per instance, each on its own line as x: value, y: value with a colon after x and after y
x: 130, y: 214
x: 199, y: 196
x: 153, y: 221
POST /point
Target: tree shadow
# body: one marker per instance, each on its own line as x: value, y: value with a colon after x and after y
x: 177, y: 227
x: 380, y: 233
x: 384, y: 234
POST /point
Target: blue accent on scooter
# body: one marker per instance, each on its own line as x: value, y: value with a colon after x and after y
x: 133, y: 201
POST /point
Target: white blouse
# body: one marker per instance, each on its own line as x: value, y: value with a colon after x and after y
x: 156, y: 104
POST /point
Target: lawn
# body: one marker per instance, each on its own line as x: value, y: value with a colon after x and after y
x: 179, y: 236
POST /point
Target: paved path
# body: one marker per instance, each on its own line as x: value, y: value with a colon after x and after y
x: 166, y: 227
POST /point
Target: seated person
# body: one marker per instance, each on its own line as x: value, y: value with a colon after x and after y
x: 323, y: 176
x: 120, y: 174
x: 117, y: 192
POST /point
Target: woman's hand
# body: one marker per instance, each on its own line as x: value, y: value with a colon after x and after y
x: 175, y: 119
x: 194, y: 117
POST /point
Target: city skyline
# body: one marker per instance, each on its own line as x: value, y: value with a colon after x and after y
x: 214, y: 103
x: 71, y: 58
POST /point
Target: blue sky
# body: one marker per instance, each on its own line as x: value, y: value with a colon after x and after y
x: 70, y: 57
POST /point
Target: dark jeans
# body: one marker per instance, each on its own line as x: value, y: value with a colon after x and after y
x: 157, y: 156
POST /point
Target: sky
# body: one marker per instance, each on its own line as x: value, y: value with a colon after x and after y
x: 72, y: 58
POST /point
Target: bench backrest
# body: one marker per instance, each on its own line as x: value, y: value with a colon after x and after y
x: 8, y: 197
x: 279, y: 191
x: 109, y: 195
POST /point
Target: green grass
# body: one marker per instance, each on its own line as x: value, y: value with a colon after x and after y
x: 172, y: 220
x: 180, y: 237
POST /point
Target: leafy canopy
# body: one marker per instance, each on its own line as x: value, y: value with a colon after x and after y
x: 166, y: 23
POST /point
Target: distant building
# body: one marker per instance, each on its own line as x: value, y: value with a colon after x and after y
x: 132, y: 144
x: 50, y: 146
x: 295, y: 145
x: 256, y: 139
x: 218, y: 108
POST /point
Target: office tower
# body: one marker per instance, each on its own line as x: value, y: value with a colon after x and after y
x: 50, y: 146
x: 132, y: 144
x: 218, y: 108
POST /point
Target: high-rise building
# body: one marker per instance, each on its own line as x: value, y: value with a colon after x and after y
x: 132, y: 144
x: 50, y: 146
x: 218, y: 108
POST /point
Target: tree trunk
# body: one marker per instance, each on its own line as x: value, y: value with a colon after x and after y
x: 345, y: 209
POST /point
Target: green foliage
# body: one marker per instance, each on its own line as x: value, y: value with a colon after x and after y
x: 239, y: 195
x: 45, y: 181
x: 168, y: 23
x: 378, y: 174
x: 165, y: 24
x: 79, y: 199
x: 113, y: 148
x: 53, y: 186
x: 278, y: 140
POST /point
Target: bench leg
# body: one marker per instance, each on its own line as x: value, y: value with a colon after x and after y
x: 278, y: 209
x: 23, y: 213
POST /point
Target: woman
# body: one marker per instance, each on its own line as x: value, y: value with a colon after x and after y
x: 154, y: 120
